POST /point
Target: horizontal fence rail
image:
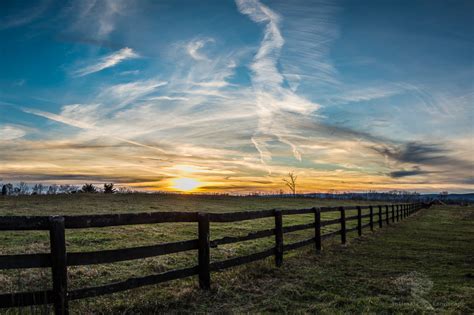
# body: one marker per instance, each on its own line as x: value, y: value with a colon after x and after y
x: 59, y: 259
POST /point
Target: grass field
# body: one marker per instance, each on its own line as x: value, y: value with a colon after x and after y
x: 423, y: 264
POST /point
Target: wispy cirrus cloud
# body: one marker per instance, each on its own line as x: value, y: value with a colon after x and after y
x: 168, y: 98
x: 25, y: 16
x: 310, y: 27
x: 58, y: 118
x: 119, y: 95
x: 273, y: 99
x: 354, y: 94
x: 108, y: 61
x: 11, y: 132
x: 193, y: 48
x: 95, y: 19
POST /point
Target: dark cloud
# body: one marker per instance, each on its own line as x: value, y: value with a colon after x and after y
x: 420, y: 153
x: 437, y: 160
x: 331, y: 131
x: 405, y: 173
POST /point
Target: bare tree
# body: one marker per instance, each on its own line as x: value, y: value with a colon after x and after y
x: 291, y: 182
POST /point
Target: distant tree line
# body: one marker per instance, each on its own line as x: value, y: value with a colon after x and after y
x: 22, y: 188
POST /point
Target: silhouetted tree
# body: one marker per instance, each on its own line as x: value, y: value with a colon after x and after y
x: 109, y: 188
x: 291, y: 182
x: 89, y: 188
x: 9, y: 188
x: 4, y: 190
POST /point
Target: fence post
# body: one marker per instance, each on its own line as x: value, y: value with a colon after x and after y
x: 393, y: 213
x: 371, y: 218
x: 343, y: 224
x: 359, y: 220
x: 380, y: 216
x: 278, y: 238
x: 204, y: 251
x: 317, y: 228
x: 387, y: 217
x: 58, y: 265
x: 398, y: 212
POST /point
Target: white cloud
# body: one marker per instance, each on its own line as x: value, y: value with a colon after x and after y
x: 168, y: 98
x: 96, y: 18
x: 354, y: 94
x: 120, y: 95
x: 9, y: 132
x: 310, y: 27
x: 272, y: 98
x: 108, y: 61
x: 194, y: 46
x: 213, y: 84
x: 85, y: 113
x: 58, y: 118
x: 130, y: 72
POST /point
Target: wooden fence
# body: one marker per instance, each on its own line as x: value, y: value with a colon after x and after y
x: 59, y: 258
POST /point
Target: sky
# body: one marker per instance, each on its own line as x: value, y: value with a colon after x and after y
x: 231, y: 96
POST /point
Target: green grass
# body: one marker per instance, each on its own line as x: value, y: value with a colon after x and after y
x: 423, y: 264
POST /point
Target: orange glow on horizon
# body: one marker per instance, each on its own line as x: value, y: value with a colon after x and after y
x: 185, y: 184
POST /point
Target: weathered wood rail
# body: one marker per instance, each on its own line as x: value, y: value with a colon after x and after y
x: 59, y: 258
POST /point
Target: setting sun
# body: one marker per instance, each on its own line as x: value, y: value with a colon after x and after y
x: 185, y: 184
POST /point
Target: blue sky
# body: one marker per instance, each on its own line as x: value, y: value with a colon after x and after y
x: 350, y: 95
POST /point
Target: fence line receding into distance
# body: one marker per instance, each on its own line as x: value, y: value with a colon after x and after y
x: 59, y: 259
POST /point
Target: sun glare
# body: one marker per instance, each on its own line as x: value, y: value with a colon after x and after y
x: 185, y: 184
